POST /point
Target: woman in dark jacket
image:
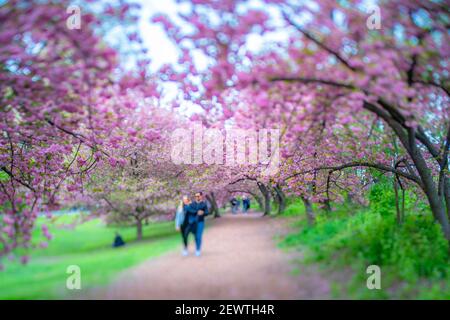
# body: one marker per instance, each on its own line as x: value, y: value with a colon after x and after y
x: 185, y: 222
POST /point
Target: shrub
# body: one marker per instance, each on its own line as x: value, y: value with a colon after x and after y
x: 415, y: 252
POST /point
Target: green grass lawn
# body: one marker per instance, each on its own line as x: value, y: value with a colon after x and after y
x: 88, y: 245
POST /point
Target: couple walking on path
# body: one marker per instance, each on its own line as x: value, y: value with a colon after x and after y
x: 235, y: 203
x: 190, y: 218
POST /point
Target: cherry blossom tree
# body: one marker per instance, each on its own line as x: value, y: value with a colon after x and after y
x: 397, y: 74
x: 54, y: 82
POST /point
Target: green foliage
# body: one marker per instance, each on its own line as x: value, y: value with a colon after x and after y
x: 3, y: 176
x: 413, y: 256
x: 294, y: 207
x: 382, y: 199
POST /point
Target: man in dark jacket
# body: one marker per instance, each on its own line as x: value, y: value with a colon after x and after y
x: 245, y: 204
x: 200, y: 207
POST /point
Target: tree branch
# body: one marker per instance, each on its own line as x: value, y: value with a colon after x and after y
x: 377, y: 166
x: 314, y: 80
x: 318, y: 42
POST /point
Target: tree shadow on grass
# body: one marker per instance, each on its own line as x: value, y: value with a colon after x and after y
x: 153, y: 237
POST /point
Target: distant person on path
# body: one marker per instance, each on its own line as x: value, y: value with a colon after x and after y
x: 185, y: 222
x: 245, y: 204
x: 234, y: 205
x: 118, y: 241
x: 200, y: 208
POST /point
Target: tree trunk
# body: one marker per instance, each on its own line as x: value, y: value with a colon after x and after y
x: 428, y: 185
x: 408, y: 137
x: 439, y: 211
x: 446, y: 181
x: 327, y: 205
x: 402, y: 210
x: 397, y: 204
x: 349, y: 198
x: 281, y: 198
x: 308, y: 210
x: 275, y: 197
x: 139, y: 229
x: 214, y: 207
x: 266, y: 195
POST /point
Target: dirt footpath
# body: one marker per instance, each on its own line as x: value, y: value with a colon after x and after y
x: 240, y: 260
